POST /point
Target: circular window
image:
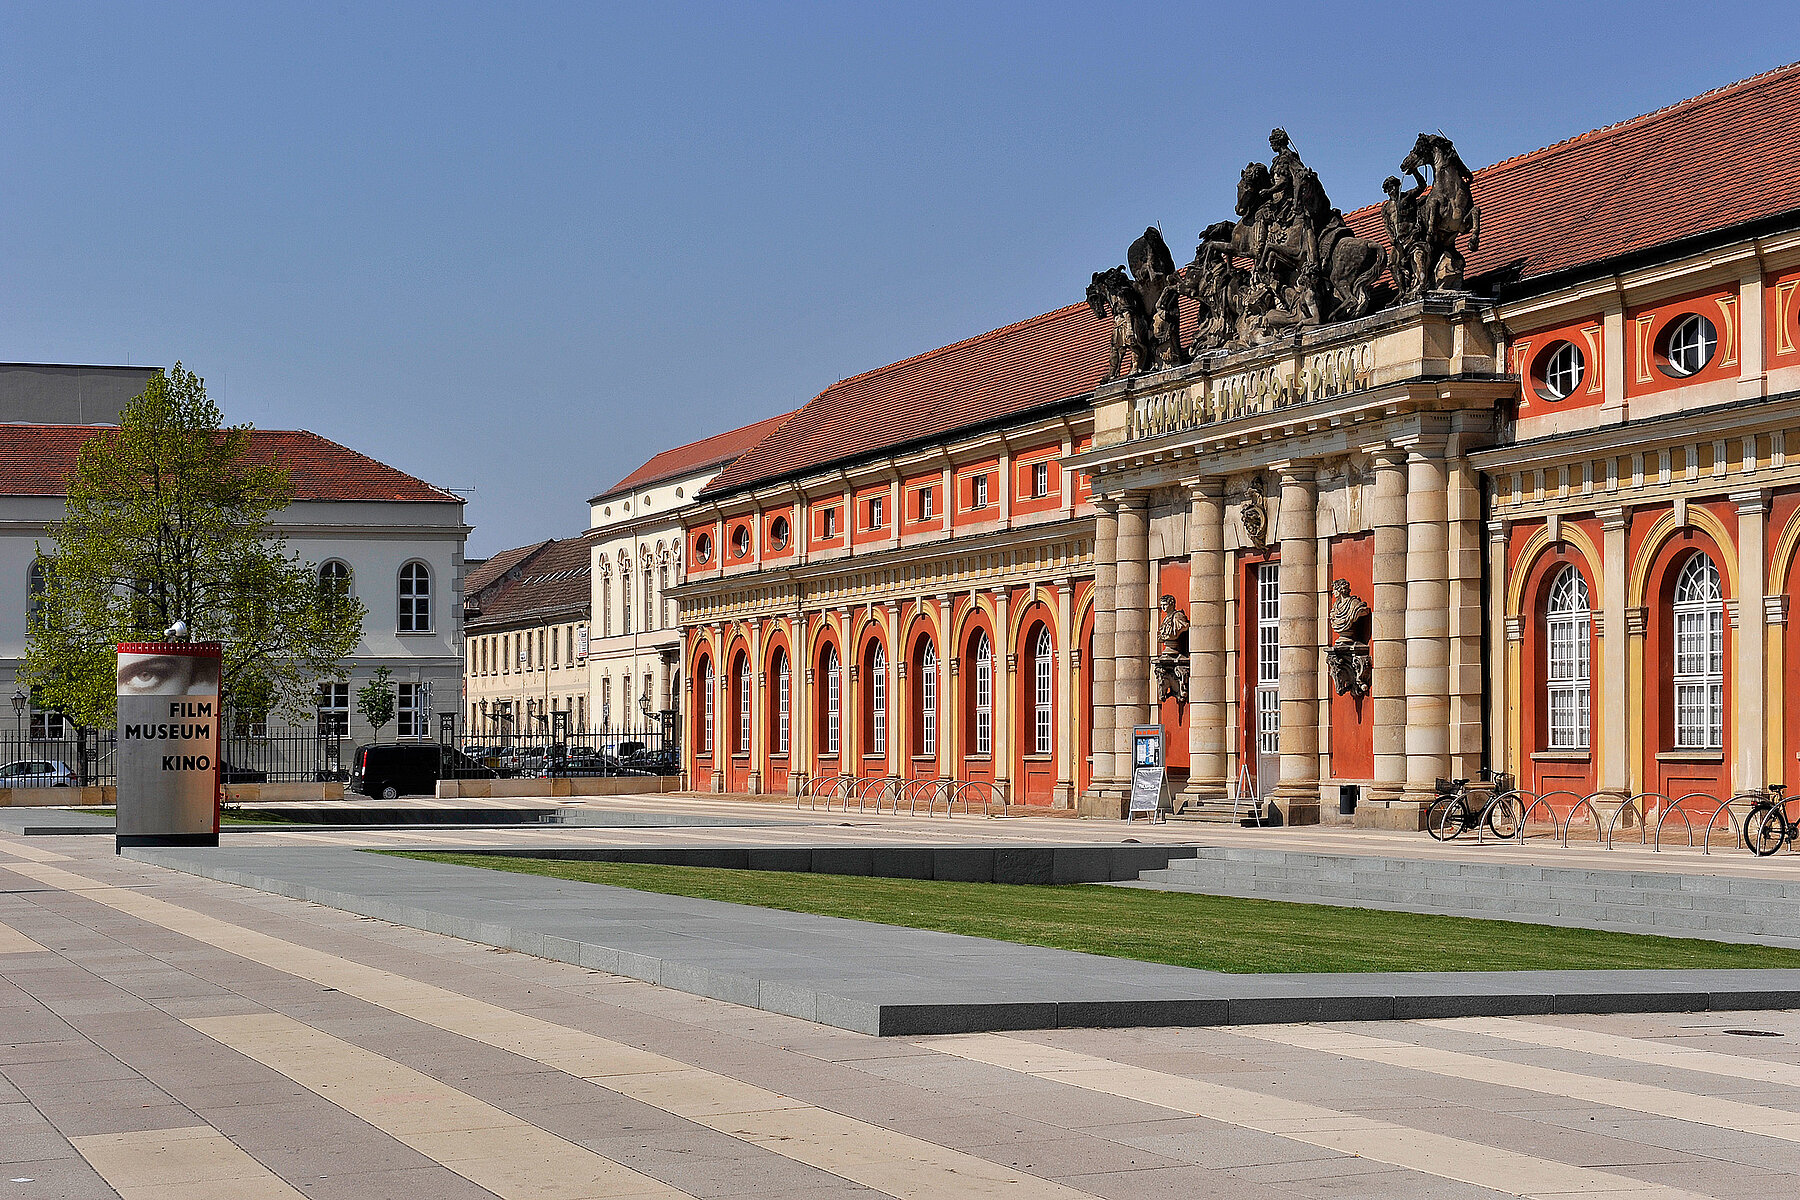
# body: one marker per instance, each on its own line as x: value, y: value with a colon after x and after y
x: 778, y: 533
x: 740, y: 541
x: 1559, y: 371
x: 1688, y: 345
x: 703, y: 548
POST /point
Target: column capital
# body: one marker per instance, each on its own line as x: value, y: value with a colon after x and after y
x: 1498, y: 529
x: 1295, y: 470
x: 1775, y: 610
x: 1637, y: 621
x: 1614, y: 519
x: 1751, y: 503
x: 1205, y: 487
x: 1388, y: 455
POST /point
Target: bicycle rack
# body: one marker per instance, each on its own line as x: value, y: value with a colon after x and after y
x: 912, y: 789
x: 1510, y: 796
x: 991, y: 795
x: 828, y: 788
x: 1674, y: 809
x: 1731, y: 822
x: 1586, y: 802
x: 1632, y: 804
x: 882, y: 786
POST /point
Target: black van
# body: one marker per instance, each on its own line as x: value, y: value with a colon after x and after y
x: 409, y: 769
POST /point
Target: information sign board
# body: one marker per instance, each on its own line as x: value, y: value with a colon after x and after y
x: 1149, y: 777
x: 169, y: 739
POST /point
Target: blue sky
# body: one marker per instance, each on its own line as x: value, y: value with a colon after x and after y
x: 520, y: 248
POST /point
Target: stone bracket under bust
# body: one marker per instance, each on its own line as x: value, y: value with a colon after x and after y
x: 1347, y: 658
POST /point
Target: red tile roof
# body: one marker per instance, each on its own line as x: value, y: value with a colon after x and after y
x: 553, y: 582
x: 714, y: 451
x: 1714, y: 161
x: 35, y: 460
x: 488, y: 570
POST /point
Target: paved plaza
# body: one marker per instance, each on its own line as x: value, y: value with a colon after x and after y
x: 167, y: 1035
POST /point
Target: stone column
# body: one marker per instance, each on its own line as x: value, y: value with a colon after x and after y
x: 1501, y: 682
x: 1102, y: 794
x: 1208, y: 742
x: 759, y: 711
x: 1006, y: 664
x: 1131, y: 642
x: 949, y: 711
x: 1387, y: 628
x: 1427, y: 623
x: 1464, y: 618
x: 800, y: 737
x: 1297, y: 792
x: 1613, y: 770
x: 1749, y: 768
x: 1066, y: 747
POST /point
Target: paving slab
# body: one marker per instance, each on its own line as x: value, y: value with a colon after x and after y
x: 890, y: 981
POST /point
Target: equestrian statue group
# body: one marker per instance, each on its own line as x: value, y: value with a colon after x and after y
x: 1289, y: 262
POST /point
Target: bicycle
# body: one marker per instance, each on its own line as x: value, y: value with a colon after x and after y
x: 1767, y: 827
x: 1451, y: 815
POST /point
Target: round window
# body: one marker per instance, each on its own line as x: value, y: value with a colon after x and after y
x: 703, y: 548
x: 1560, y: 370
x: 778, y: 533
x: 1689, y: 345
x: 740, y: 541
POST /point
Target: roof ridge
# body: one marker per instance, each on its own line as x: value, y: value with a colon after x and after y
x: 1655, y: 114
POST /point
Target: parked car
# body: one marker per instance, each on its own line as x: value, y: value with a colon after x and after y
x: 581, y: 766
x: 231, y: 774
x: 36, y: 773
x: 409, y: 769
x: 653, y: 762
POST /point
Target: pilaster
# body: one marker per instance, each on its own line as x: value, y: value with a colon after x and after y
x: 1427, y: 622
x: 1208, y: 742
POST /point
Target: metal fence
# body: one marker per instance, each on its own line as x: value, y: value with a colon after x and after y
x: 304, y: 755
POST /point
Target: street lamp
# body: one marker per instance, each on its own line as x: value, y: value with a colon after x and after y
x: 18, y: 699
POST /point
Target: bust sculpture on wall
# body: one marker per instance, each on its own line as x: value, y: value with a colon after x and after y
x: 1348, y: 658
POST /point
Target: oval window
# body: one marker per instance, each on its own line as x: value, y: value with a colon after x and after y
x: 1560, y: 371
x: 703, y: 548
x: 778, y: 533
x: 740, y: 541
x: 1688, y: 345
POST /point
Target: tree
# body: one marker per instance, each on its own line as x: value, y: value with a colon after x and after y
x: 375, y: 701
x: 168, y: 518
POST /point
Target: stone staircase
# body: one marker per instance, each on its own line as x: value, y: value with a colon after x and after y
x: 1718, y: 907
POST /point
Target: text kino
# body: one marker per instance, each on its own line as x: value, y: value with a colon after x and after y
x: 1329, y: 373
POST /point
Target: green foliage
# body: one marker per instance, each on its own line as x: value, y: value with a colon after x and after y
x: 168, y: 518
x: 1213, y: 933
x: 375, y: 701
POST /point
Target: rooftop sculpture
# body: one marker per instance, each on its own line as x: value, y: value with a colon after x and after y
x: 1290, y: 261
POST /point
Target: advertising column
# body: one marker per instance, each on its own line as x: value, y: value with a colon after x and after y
x: 168, y: 749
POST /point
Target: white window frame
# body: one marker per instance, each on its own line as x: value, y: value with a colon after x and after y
x: 1040, y: 480
x: 834, y: 701
x: 1268, y: 658
x: 415, y: 601
x: 926, y: 502
x: 878, y: 700
x: 1043, y: 692
x: 1568, y: 621
x: 1691, y: 344
x: 706, y: 706
x: 928, y: 680
x: 978, y: 491
x: 1697, y: 618
x: 783, y: 702
x: 743, y: 701
x: 410, y: 714
x: 984, y: 693
x: 1565, y: 364
x: 332, y: 708
x: 877, y: 512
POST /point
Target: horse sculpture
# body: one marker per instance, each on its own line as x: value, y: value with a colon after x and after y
x: 1447, y: 211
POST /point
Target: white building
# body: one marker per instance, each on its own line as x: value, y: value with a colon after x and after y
x: 398, y: 540
x: 634, y: 646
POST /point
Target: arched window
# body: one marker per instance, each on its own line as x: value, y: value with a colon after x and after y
x: 877, y: 699
x: 625, y: 597
x: 605, y: 605
x: 829, y: 679
x: 982, y: 652
x: 743, y: 705
x: 1566, y: 619
x: 415, y: 598
x: 35, y: 583
x: 783, y: 708
x: 1043, y: 690
x: 334, y: 580
x: 928, y: 685
x: 703, y: 680
x: 1699, y: 618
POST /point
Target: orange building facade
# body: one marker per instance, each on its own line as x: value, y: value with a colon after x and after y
x: 1563, y: 499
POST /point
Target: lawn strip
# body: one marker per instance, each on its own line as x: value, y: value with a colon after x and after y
x: 1215, y: 933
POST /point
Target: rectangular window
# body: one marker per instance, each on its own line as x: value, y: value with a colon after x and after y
x: 1044, y: 704
x: 1569, y: 693
x: 1268, y: 659
x: 833, y: 714
x: 984, y: 701
x: 876, y: 512
x: 978, y: 492
x: 48, y: 726
x: 1040, y: 480
x: 555, y: 650
x: 928, y: 703
x: 878, y: 708
x: 828, y: 523
x: 926, y: 503
x: 743, y: 714
x: 411, y: 702
x: 783, y: 709
x: 334, y: 709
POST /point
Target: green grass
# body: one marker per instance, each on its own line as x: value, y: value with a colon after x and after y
x: 1215, y: 933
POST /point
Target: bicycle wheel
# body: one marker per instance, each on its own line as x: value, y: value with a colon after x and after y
x: 1446, y: 818
x: 1765, y: 829
x: 1503, y: 818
